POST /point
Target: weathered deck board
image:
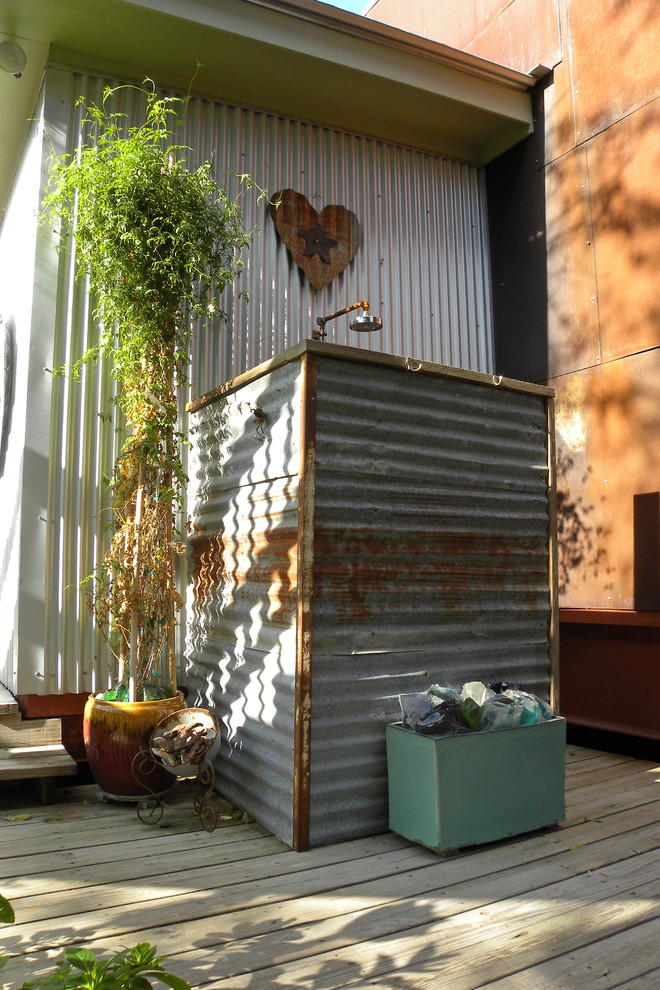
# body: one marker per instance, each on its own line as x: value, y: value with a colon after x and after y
x: 258, y: 937
x: 574, y: 906
x: 424, y: 875
x: 611, y: 963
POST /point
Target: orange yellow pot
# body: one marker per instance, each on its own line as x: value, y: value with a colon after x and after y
x: 114, y: 732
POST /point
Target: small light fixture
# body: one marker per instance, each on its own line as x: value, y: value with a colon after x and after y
x: 12, y: 58
x: 360, y: 323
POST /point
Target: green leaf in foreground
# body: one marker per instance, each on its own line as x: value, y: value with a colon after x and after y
x: 129, y: 969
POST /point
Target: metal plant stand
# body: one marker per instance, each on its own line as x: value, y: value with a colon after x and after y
x: 150, y: 808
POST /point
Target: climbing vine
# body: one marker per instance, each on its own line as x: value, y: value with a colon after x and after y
x: 157, y: 241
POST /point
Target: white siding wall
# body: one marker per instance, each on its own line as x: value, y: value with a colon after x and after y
x: 22, y: 497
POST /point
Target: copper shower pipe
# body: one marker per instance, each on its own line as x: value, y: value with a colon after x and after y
x: 322, y: 320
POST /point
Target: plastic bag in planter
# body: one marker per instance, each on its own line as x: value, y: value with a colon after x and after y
x: 447, y: 718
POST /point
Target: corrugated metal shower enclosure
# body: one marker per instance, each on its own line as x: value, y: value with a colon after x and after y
x: 422, y: 264
x: 362, y: 525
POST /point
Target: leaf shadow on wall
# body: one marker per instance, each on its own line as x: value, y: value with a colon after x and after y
x: 580, y: 536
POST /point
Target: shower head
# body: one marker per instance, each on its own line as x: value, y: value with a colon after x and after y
x: 366, y: 323
x: 360, y: 323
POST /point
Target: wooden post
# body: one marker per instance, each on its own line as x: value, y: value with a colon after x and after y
x: 305, y: 581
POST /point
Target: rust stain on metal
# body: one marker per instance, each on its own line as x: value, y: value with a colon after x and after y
x: 360, y: 568
x: 624, y: 196
x: 520, y: 39
x: 613, y: 34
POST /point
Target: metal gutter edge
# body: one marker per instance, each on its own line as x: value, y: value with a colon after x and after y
x: 367, y: 29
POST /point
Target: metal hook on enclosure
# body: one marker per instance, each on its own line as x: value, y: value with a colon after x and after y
x: 497, y: 379
x: 259, y: 419
x: 410, y: 367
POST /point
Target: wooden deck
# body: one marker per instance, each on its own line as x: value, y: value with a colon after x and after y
x: 575, y: 907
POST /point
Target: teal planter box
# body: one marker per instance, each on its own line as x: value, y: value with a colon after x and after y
x: 451, y: 791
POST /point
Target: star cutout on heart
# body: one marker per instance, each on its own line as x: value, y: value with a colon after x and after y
x: 316, y: 242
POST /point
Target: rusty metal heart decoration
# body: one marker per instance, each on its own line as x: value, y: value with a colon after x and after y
x: 321, y: 244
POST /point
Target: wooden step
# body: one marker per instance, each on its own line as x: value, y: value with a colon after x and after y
x: 39, y: 764
x: 16, y: 731
x: 35, y: 761
x: 31, y: 749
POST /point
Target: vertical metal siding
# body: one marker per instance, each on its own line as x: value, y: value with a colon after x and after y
x: 423, y: 265
x: 82, y: 447
x: 423, y: 262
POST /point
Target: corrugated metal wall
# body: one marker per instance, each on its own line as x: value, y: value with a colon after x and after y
x: 428, y: 522
x: 423, y: 262
x: 423, y: 265
x: 241, y: 648
x: 431, y: 563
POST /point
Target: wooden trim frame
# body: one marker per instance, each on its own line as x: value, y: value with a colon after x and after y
x: 310, y: 347
x: 303, y: 685
x: 610, y: 617
x: 553, y: 631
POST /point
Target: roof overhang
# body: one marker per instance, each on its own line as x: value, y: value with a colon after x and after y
x: 296, y: 58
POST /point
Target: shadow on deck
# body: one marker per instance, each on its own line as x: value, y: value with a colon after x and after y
x: 574, y: 906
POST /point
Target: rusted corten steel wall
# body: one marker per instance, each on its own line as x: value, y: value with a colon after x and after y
x: 602, y: 156
x: 359, y: 529
x: 597, y: 155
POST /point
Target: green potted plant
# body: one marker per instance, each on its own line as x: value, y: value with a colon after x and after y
x: 157, y: 242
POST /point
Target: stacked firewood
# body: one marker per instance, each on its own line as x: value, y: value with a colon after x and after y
x: 183, y: 743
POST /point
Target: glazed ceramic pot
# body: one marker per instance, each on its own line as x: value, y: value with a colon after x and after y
x: 114, y: 733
